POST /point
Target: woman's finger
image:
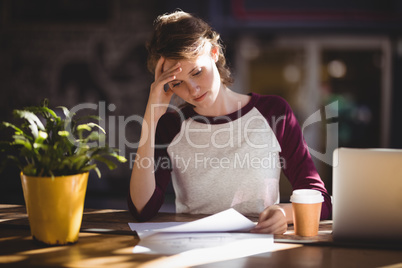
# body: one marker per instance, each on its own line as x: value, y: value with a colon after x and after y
x: 271, y: 220
x: 169, y: 75
x: 271, y: 226
x: 159, y: 67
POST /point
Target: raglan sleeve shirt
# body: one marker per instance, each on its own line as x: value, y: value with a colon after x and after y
x: 298, y: 165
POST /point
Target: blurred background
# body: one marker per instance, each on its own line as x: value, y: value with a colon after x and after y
x: 338, y: 64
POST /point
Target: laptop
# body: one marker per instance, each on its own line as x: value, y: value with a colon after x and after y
x: 367, y: 195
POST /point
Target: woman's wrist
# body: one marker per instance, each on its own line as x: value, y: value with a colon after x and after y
x: 287, y: 210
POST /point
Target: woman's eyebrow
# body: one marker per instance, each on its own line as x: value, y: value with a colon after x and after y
x: 192, y: 70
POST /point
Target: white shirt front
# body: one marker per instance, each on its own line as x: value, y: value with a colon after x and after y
x: 234, y: 164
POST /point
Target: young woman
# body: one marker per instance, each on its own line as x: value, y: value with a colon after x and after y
x: 222, y: 149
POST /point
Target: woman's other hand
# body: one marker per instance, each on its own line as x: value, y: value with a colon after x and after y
x: 274, y: 220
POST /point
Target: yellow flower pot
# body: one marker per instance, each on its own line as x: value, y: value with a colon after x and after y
x: 55, y: 207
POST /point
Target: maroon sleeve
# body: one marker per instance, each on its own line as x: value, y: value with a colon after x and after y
x: 298, y: 165
x: 167, y: 128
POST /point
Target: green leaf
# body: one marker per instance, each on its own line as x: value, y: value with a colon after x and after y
x: 93, y: 136
x: 89, y: 167
x: 34, y: 123
x: 80, y: 161
x: 66, y: 112
x: 92, y: 167
x: 84, y: 127
x: 83, y: 149
x: 18, y: 130
x: 40, y: 146
x: 66, y: 163
x: 31, y: 117
x: 121, y: 159
x: 30, y: 170
x: 22, y: 141
x: 110, y: 164
x: 97, y: 172
x: 96, y: 125
x: 44, y: 111
x: 42, y: 136
x: 63, y: 133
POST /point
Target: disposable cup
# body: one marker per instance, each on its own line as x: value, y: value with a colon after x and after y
x: 306, y: 205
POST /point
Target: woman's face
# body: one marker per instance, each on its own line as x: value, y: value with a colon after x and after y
x: 199, y: 81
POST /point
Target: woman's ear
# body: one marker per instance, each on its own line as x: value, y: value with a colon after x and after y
x: 215, y: 53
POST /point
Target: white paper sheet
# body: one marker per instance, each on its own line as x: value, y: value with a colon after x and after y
x: 226, y: 221
x: 221, y: 244
x: 151, y: 226
x: 201, y: 241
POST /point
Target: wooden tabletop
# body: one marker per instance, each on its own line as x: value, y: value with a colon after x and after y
x: 107, y: 241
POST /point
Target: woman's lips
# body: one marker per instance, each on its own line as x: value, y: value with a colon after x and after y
x: 202, y: 97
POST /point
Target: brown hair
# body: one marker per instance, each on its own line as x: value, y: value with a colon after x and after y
x: 180, y: 35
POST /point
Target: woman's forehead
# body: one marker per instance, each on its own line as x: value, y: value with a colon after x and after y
x: 200, y: 59
x: 185, y: 63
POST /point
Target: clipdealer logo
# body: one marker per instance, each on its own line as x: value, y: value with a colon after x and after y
x: 329, y: 114
x: 116, y: 128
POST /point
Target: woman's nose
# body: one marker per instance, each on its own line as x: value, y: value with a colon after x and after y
x: 193, y: 88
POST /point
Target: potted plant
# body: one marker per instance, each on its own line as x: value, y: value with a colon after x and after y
x: 55, y: 155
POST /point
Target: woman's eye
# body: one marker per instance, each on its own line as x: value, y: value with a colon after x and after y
x: 176, y: 84
x: 198, y: 72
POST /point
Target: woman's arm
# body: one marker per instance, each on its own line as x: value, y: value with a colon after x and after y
x: 298, y: 167
x: 142, y: 182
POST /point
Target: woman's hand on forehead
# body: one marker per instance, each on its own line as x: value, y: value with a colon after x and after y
x: 168, y: 63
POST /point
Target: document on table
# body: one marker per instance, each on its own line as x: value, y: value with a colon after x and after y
x: 236, y: 244
x: 226, y: 221
x: 209, y: 235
